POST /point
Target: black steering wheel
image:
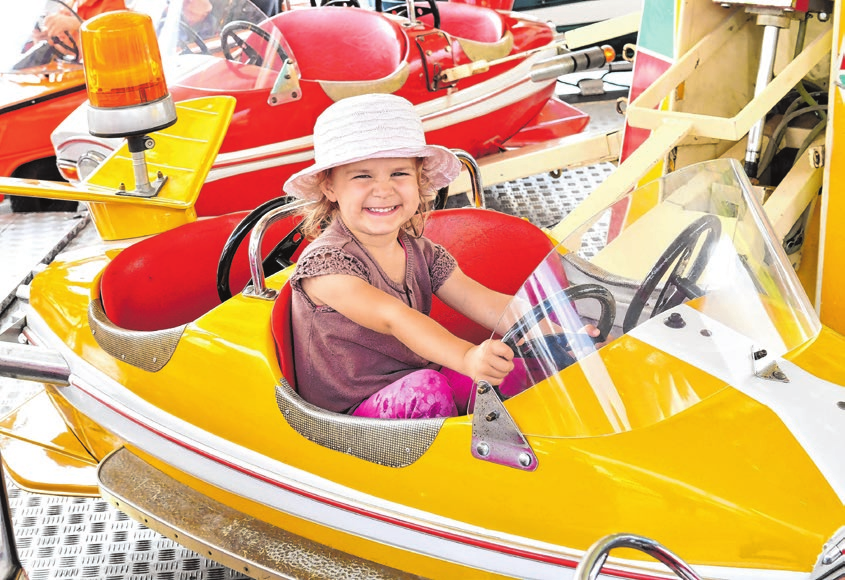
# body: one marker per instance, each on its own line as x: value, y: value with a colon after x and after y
x: 347, y: 3
x: 230, y: 34
x: 678, y: 287
x: 402, y: 10
x: 73, y: 53
x: 279, y: 258
x: 191, y: 36
x: 559, y: 344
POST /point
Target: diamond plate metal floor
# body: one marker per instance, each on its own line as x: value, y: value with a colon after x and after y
x: 84, y: 538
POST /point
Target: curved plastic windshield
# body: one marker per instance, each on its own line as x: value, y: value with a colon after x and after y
x: 689, y: 289
x: 232, y: 46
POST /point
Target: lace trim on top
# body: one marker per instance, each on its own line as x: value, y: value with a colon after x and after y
x: 325, y: 262
x: 442, y: 267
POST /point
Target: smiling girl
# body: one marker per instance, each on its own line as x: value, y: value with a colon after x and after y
x: 363, y: 341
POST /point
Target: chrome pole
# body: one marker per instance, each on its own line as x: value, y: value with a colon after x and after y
x: 765, y: 70
x: 591, y: 564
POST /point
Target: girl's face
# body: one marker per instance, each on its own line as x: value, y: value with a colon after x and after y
x: 375, y: 196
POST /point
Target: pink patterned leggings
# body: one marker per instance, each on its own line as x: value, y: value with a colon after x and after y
x: 427, y: 393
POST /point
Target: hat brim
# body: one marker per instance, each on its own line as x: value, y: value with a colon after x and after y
x: 440, y: 165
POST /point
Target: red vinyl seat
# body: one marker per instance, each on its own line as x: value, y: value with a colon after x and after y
x: 466, y: 21
x: 343, y: 44
x: 170, y: 279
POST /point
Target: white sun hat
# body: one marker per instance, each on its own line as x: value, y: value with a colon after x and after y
x: 366, y: 127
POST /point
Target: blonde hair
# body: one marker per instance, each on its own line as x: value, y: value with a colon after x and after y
x: 318, y: 215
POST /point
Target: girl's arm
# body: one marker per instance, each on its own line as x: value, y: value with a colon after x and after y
x: 474, y: 300
x: 370, y: 307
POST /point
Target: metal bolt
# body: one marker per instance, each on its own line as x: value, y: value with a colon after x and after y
x: 675, y: 320
x: 492, y: 415
x: 483, y: 389
x: 706, y: 332
x: 483, y: 449
x: 524, y: 459
x: 757, y: 355
x: 779, y: 375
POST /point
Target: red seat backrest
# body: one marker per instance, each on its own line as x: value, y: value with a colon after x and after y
x: 496, y: 249
x: 342, y: 43
x: 171, y: 278
x: 464, y: 20
x: 493, y: 248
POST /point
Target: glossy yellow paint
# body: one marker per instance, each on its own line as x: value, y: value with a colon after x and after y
x: 42, y: 455
x: 183, y: 153
x: 830, y: 300
x: 667, y: 439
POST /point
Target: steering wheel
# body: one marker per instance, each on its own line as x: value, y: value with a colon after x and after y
x: 192, y: 36
x: 279, y: 258
x: 558, y: 344
x: 678, y: 287
x: 431, y: 8
x: 73, y: 52
x: 349, y: 3
x: 230, y: 31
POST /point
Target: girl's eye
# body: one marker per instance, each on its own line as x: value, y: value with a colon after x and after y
x: 360, y: 176
x: 401, y: 173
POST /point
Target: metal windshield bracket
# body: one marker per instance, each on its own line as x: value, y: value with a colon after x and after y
x: 495, y: 436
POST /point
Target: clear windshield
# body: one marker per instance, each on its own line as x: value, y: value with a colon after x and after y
x: 229, y: 45
x: 198, y: 40
x: 690, y: 291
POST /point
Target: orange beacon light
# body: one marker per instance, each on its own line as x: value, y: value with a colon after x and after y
x: 124, y: 76
x: 127, y: 94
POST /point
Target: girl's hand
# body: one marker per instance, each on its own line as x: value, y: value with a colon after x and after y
x: 490, y: 361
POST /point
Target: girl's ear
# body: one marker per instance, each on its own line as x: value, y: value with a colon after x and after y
x: 326, y: 188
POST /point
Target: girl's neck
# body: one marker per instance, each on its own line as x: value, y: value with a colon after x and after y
x: 390, y: 256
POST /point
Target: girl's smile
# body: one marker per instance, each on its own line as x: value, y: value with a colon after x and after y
x: 375, y: 197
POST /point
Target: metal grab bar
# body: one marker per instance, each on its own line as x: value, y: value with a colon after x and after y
x: 475, y: 177
x: 591, y: 565
x: 259, y: 288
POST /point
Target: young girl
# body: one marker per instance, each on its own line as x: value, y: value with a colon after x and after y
x: 363, y: 341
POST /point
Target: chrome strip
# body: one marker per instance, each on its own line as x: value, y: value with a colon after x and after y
x: 147, y: 350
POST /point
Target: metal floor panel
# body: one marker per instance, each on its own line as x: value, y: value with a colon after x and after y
x: 87, y: 539
x: 28, y: 239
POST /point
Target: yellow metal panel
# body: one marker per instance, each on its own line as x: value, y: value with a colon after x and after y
x: 42, y: 455
x: 830, y: 300
x: 183, y: 153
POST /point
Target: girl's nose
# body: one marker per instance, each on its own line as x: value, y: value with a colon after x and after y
x: 382, y: 186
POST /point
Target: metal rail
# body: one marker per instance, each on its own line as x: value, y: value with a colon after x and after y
x: 590, y: 566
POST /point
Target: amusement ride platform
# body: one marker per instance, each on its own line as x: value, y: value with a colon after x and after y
x: 86, y: 538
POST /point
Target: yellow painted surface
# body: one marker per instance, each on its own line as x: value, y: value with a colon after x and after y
x: 659, y: 438
x: 831, y: 277
x: 183, y: 153
x: 42, y: 455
